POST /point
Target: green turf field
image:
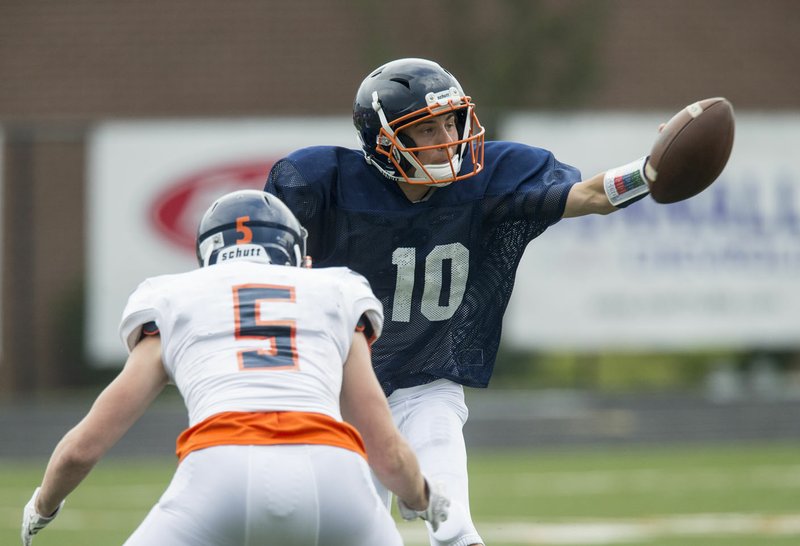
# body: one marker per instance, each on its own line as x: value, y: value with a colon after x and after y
x: 734, y: 495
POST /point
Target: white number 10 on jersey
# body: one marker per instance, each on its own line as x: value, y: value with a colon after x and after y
x: 431, y: 307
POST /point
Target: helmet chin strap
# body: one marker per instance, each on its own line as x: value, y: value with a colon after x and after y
x: 208, y: 246
x: 298, y: 256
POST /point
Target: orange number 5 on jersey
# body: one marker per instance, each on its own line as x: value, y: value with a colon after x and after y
x: 282, y: 351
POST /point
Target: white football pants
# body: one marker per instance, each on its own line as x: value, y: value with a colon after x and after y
x: 431, y: 418
x: 284, y: 495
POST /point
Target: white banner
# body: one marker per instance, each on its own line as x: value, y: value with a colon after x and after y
x: 721, y: 270
x: 149, y: 184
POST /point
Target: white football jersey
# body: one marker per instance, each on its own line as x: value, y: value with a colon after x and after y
x: 249, y: 337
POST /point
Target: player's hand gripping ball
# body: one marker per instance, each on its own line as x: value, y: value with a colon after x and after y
x: 691, y: 150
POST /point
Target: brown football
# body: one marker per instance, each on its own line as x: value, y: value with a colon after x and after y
x: 691, y: 150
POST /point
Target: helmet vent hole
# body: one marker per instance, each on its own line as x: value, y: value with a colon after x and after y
x: 401, y: 81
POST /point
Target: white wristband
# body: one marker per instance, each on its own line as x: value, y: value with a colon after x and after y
x: 627, y: 183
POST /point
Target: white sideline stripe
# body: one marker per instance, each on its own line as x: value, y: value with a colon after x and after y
x: 575, y: 533
x: 608, y: 532
x: 595, y: 482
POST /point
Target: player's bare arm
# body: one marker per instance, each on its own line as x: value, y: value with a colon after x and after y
x: 117, y: 408
x: 588, y: 197
x: 364, y: 405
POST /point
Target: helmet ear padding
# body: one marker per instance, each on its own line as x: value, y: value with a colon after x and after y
x: 408, y: 142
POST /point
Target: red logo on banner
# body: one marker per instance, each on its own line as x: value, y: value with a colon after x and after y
x: 176, y: 212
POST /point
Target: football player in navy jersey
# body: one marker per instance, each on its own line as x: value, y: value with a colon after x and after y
x: 437, y: 220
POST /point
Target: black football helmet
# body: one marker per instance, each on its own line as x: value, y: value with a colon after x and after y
x: 251, y: 225
x: 403, y: 93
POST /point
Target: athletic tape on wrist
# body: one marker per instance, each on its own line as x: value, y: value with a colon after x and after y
x: 626, y: 184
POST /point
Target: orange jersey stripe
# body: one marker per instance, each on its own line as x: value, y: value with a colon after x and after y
x: 273, y: 428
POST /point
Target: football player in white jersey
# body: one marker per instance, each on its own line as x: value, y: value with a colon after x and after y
x: 270, y: 360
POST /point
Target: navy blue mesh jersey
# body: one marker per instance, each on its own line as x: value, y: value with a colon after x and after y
x: 443, y: 268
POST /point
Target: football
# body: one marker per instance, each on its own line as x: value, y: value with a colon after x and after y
x: 691, y: 150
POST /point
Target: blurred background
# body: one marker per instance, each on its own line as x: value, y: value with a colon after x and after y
x: 664, y: 324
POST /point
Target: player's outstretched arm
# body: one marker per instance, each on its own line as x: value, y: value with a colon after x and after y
x: 364, y: 405
x: 608, y: 191
x: 689, y: 153
x: 588, y: 197
x: 117, y: 408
